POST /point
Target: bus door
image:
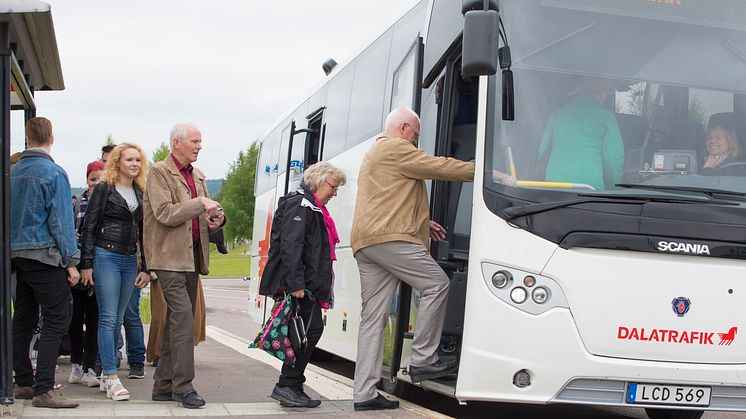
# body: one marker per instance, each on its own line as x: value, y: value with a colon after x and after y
x: 451, y: 202
x: 406, y: 90
x: 451, y: 206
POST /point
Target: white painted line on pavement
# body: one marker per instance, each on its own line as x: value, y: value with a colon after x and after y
x: 330, y: 387
x: 227, y: 298
x: 328, y: 384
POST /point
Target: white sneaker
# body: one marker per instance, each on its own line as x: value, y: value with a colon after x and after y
x: 76, y: 375
x: 90, y: 379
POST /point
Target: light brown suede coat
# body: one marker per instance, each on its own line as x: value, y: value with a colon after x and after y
x: 168, y: 209
x: 158, y: 311
x: 392, y: 202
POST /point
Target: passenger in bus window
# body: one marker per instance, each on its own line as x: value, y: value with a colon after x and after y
x: 722, y: 151
x: 582, y: 143
x: 390, y: 232
x: 301, y: 255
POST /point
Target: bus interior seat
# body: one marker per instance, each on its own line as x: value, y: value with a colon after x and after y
x: 685, y: 135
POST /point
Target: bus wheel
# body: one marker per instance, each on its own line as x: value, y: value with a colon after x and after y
x: 673, y: 414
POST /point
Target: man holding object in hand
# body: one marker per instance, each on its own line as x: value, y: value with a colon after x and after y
x: 179, y: 216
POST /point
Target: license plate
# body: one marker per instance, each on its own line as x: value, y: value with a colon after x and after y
x: 666, y: 394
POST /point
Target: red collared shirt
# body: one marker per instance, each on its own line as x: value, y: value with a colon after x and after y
x: 186, y: 172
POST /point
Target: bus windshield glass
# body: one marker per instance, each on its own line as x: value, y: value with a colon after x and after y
x: 630, y: 92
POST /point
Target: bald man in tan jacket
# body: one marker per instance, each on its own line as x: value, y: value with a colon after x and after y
x: 390, y: 231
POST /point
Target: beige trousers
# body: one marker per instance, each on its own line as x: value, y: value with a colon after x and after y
x: 381, y: 267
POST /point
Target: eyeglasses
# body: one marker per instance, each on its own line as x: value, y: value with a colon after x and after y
x: 334, y: 188
x: 416, y: 133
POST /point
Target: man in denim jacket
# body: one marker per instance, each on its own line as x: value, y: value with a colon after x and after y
x: 44, y: 252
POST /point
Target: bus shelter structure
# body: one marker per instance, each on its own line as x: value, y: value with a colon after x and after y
x: 29, y: 62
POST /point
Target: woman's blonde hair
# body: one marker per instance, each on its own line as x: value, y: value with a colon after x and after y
x: 111, y: 170
x: 318, y: 173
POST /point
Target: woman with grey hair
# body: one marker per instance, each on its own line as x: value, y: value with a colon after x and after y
x: 301, y: 254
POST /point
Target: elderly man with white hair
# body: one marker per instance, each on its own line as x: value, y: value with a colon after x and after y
x: 178, y: 217
x: 390, y: 232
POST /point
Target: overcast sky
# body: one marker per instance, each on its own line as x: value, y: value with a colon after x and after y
x: 134, y: 68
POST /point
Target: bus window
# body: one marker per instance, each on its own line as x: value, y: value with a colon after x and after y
x: 268, y: 165
x: 366, y: 104
x: 404, y: 83
x: 337, y: 111
x: 312, y: 152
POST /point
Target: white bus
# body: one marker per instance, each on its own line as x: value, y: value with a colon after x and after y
x: 620, y: 290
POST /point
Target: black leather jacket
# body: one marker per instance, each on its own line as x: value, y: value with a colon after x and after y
x: 110, y: 224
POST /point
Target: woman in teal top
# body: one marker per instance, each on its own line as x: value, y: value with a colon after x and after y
x: 584, y: 141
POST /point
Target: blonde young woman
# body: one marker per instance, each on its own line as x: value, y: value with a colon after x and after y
x: 111, y: 232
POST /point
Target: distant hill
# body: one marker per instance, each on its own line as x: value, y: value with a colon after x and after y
x: 213, y: 187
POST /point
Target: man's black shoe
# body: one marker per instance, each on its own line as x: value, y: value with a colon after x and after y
x: 162, y: 397
x: 190, y: 399
x: 379, y: 403
x: 290, y: 397
x: 437, y: 369
x: 310, y: 402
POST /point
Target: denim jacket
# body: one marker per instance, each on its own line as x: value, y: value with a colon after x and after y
x: 42, y: 226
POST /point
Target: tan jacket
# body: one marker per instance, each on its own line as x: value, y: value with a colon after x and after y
x: 168, y: 209
x: 392, y: 202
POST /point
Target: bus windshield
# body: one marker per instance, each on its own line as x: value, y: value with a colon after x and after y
x: 611, y: 95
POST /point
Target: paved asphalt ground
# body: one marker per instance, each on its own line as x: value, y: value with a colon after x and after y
x: 236, y: 382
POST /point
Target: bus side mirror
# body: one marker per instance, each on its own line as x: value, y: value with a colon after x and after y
x: 479, y: 56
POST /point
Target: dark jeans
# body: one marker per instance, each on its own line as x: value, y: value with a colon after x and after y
x: 46, y: 286
x: 293, y: 376
x: 84, y: 344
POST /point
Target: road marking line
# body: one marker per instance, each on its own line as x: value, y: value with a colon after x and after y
x: 227, y: 298
x: 332, y: 388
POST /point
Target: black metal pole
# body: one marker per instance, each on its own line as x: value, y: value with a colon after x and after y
x: 290, y: 154
x: 6, y: 348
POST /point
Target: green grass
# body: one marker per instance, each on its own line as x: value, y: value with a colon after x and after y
x: 145, y: 309
x: 236, y: 263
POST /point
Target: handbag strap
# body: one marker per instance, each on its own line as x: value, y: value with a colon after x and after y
x: 310, y: 317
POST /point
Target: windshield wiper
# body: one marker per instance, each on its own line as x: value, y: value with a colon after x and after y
x: 711, y: 192
x: 606, y: 198
x: 530, y: 209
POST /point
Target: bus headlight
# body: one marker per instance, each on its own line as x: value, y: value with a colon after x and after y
x: 518, y: 295
x: 540, y: 295
x: 501, y: 278
x: 530, y: 292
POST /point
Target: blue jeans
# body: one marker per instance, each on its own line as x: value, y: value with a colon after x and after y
x: 114, y: 279
x: 133, y: 330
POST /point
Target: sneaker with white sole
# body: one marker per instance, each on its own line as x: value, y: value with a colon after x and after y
x: 76, y: 375
x: 90, y: 378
